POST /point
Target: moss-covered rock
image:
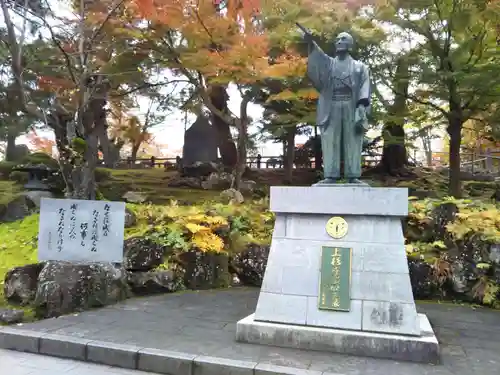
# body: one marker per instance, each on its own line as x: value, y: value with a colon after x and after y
x: 205, y: 270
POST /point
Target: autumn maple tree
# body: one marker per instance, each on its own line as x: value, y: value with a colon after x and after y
x: 215, y: 43
x: 40, y: 144
x: 92, y: 56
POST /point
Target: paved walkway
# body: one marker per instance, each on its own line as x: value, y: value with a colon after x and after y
x: 16, y: 363
x: 203, y: 323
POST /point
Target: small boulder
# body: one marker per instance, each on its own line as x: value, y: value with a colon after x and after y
x: 199, y: 169
x: 204, y: 270
x: 65, y: 287
x: 11, y: 316
x: 158, y: 281
x: 142, y: 254
x: 134, y: 197
x: 188, y: 182
x: 130, y: 218
x: 35, y: 196
x: 462, y: 275
x: 496, y: 194
x: 231, y: 196
x: 17, y: 209
x: 235, y: 280
x: 248, y: 186
x: 20, y: 284
x: 494, y: 256
x: 218, y: 181
x: 250, y: 264
x: 420, y: 278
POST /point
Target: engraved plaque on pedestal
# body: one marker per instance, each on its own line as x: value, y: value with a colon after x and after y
x: 335, y: 279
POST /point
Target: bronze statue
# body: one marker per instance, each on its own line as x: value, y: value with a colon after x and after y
x: 344, y: 87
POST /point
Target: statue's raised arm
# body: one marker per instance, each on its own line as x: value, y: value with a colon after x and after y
x: 318, y: 62
x: 307, y: 35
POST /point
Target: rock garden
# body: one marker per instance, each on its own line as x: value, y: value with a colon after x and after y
x: 187, y: 238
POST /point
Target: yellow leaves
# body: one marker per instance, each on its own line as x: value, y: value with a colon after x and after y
x: 308, y: 94
x: 485, y: 223
x: 289, y: 65
x: 207, y: 241
x: 213, y: 222
x: 196, y: 228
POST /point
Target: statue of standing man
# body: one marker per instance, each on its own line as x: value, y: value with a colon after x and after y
x: 344, y: 87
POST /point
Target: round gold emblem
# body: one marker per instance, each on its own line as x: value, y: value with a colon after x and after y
x: 336, y: 227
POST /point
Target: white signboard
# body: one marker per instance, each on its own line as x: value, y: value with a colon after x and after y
x: 81, y: 230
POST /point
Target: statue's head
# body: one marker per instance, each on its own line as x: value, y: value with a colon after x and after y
x: 344, y: 42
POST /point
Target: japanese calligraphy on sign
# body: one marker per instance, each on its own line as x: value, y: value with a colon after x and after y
x: 335, y: 279
x: 81, y: 230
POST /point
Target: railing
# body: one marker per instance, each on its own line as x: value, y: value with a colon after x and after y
x: 484, y: 163
x: 258, y: 162
x: 478, y: 162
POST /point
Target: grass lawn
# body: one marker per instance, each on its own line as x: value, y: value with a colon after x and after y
x: 153, y: 183
x: 9, y: 190
x: 18, y: 244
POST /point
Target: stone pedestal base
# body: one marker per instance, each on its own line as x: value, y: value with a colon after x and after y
x: 423, y: 348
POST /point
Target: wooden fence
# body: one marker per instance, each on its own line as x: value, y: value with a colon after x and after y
x: 257, y: 162
x: 489, y: 163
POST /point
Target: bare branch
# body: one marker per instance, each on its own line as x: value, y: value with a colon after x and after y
x: 149, y: 85
x: 16, y: 63
x: 106, y: 19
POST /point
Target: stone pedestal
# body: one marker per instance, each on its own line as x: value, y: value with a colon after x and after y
x: 382, y: 320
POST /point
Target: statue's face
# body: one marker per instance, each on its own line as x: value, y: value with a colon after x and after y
x: 344, y: 42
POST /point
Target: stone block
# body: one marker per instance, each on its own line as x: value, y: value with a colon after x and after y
x: 334, y: 319
x: 280, y: 225
x: 341, y: 200
x: 268, y: 369
x: 293, y: 266
x: 64, y: 346
x: 391, y: 317
x: 361, y: 229
x: 20, y: 340
x: 112, y: 354
x: 299, y: 281
x: 385, y: 258
x: 205, y: 365
x: 165, y: 362
x: 423, y: 349
x: 380, y: 286
x: 281, y: 308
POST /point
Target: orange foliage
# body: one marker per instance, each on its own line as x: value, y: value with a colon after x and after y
x: 224, y: 40
x: 47, y: 83
x: 40, y: 144
x: 241, y: 49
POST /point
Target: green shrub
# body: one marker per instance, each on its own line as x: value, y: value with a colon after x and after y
x: 102, y: 174
x: 40, y: 158
x: 455, y: 237
x: 19, y: 177
x: 6, y: 167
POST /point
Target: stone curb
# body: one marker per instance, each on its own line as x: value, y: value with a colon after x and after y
x: 136, y: 357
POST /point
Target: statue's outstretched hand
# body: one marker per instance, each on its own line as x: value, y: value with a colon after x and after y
x: 306, y: 34
x: 361, y: 120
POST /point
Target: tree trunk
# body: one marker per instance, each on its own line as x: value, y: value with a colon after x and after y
x: 81, y: 181
x: 227, y: 148
x: 426, y: 143
x: 135, y: 150
x: 83, y: 175
x: 455, y: 133
x: 289, y: 154
x: 242, y: 144
x: 10, y: 151
x: 394, y: 157
x: 106, y: 146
